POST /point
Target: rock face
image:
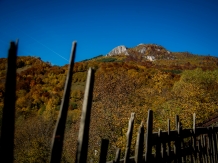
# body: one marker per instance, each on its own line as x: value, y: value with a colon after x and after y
x: 150, y: 52
x: 150, y: 58
x: 118, y: 50
x: 142, y: 50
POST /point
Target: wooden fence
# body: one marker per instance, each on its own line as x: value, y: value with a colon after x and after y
x: 198, y: 144
x: 180, y: 145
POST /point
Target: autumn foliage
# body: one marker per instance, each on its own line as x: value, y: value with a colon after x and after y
x: 176, y: 83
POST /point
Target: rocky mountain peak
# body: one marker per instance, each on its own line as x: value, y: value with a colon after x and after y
x: 150, y: 52
x: 118, y: 50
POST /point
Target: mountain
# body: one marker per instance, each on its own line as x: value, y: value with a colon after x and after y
x: 169, y: 83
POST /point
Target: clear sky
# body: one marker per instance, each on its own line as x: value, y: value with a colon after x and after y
x: 46, y: 28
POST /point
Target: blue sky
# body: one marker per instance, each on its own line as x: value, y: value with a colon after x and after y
x: 47, y: 28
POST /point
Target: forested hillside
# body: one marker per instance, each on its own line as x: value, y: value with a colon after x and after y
x: 174, y: 83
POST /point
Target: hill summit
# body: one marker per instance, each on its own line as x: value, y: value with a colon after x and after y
x: 149, y: 51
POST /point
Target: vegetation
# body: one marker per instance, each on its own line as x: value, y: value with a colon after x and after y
x: 99, y: 56
x: 176, y: 83
x: 107, y: 60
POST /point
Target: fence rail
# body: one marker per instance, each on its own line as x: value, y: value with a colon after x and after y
x: 198, y: 144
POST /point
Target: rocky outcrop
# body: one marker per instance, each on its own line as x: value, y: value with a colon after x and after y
x: 142, y: 50
x: 118, y: 50
x: 149, y: 52
x: 150, y: 58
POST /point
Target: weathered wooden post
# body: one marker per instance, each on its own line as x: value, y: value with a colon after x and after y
x: 177, y: 145
x: 194, y: 138
x: 139, y: 144
x: 104, y: 149
x: 163, y: 148
x: 148, y: 154
x: 8, y: 116
x: 158, y: 147
x: 83, y: 137
x: 129, y: 138
x: 210, y: 144
x: 168, y: 142
x: 205, y: 149
x: 176, y: 121
x: 214, y: 144
x: 117, y: 157
x: 178, y: 142
x: 58, y: 136
x: 202, y: 149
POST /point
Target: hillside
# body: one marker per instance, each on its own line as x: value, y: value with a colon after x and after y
x: 144, y: 77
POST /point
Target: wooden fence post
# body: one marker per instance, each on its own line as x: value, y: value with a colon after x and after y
x: 139, y: 144
x: 202, y: 149
x: 214, y: 145
x: 58, y: 136
x: 176, y: 121
x: 117, y: 158
x: 158, y: 148
x: 148, y: 154
x: 199, y: 151
x: 205, y: 149
x: 210, y: 144
x: 179, y: 140
x: 83, y: 137
x: 168, y: 142
x: 194, y: 138
x: 129, y: 138
x: 104, y: 149
x: 163, y: 148
x: 8, y: 116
